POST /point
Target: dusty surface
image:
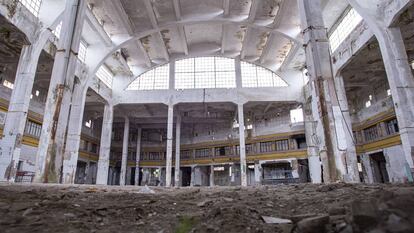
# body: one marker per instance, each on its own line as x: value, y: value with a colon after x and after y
x: 311, y: 208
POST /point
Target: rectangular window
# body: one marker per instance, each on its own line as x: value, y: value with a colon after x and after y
x: 296, y: 115
x: 392, y: 127
x: 202, y: 153
x: 205, y: 72
x: 371, y: 133
x: 33, y: 129
x: 58, y: 29
x: 105, y: 75
x: 8, y: 84
x: 343, y: 28
x: 32, y: 5
x: 267, y: 147
x: 82, y: 51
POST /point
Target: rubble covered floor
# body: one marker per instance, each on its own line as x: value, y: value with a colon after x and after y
x: 311, y: 208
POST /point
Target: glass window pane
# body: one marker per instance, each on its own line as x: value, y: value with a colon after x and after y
x: 186, y: 65
x: 205, y: 80
x: 184, y: 80
x: 204, y: 64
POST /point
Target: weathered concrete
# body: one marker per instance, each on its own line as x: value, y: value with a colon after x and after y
x: 170, y: 125
x: 73, y: 137
x: 211, y: 175
x: 325, y: 107
x: 124, y: 152
x: 15, y: 122
x: 105, y: 148
x: 50, y: 151
x: 243, y: 165
x: 177, y: 151
x: 138, y: 156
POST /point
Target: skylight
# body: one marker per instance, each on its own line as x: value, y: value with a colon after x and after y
x: 256, y: 76
x: 155, y: 79
x: 105, y: 75
x: 32, y: 5
x: 344, y: 27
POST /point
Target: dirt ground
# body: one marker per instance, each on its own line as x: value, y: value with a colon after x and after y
x: 341, y: 208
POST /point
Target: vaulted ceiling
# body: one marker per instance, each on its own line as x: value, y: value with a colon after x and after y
x: 264, y: 32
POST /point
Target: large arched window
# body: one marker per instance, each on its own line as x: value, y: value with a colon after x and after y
x: 256, y: 76
x: 207, y: 72
x: 155, y: 79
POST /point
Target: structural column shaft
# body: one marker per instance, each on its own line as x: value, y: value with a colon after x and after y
x: 105, y: 145
x: 124, y: 161
x: 211, y: 175
x: 177, y: 151
x: 170, y: 125
x: 138, y: 156
x: 401, y: 82
x: 70, y: 158
x: 50, y: 150
x: 243, y: 165
x: 325, y: 106
x: 15, y: 122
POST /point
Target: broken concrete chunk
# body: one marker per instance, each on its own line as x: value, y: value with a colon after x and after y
x: 313, y: 224
x: 273, y: 220
x: 364, y: 214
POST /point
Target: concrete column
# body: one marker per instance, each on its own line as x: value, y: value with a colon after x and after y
x: 401, y: 82
x: 315, y: 169
x: 177, y: 151
x: 124, y: 153
x: 105, y: 145
x: 15, y: 122
x: 258, y: 173
x: 325, y: 106
x: 170, y: 125
x: 192, y: 180
x: 243, y: 165
x: 138, y: 155
x: 343, y: 121
x: 239, y: 83
x: 49, y: 156
x: 211, y: 175
x: 70, y: 158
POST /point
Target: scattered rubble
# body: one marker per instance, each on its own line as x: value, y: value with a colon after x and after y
x: 305, y: 208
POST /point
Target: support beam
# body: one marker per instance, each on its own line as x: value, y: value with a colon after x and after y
x: 126, y: 23
x: 243, y: 165
x: 105, y: 145
x: 211, y: 175
x: 49, y: 157
x: 71, y: 155
x: 325, y: 106
x: 124, y: 161
x: 170, y: 125
x: 177, y: 151
x: 138, y: 156
x: 15, y: 122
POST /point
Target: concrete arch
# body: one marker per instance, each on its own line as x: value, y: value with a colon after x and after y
x: 121, y: 40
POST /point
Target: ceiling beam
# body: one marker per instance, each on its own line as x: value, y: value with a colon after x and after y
x: 292, y: 54
x: 126, y: 23
x: 223, y: 38
x: 266, y: 49
x: 226, y: 8
x: 151, y: 14
x: 181, y: 29
x: 250, y: 19
x: 97, y: 27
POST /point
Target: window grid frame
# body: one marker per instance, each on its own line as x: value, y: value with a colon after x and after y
x: 33, y: 6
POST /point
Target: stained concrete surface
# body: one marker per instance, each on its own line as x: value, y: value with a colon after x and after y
x: 341, y: 208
